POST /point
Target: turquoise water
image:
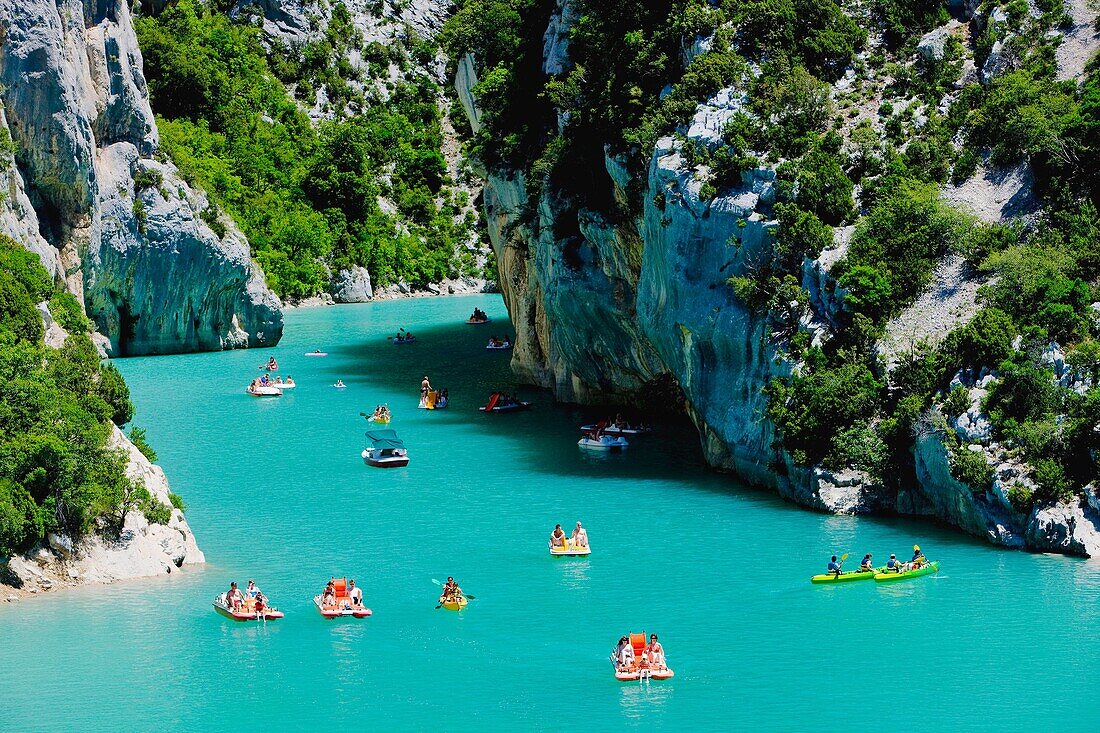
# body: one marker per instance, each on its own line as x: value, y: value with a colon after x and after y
x: 276, y: 491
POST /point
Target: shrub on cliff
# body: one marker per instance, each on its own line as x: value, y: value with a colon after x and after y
x: 56, y: 407
x: 970, y: 468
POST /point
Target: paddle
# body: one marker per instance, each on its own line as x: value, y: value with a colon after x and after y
x: 841, y: 565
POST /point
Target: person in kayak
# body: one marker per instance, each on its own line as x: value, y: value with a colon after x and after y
x: 355, y: 594
x: 834, y: 566
x: 655, y: 653
x: 919, y: 560
x: 233, y: 598
x: 580, y: 536
x: 865, y: 565
x: 557, y: 537
x: 892, y: 565
x: 451, y: 591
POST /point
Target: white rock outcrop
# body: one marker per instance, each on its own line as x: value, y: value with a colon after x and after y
x: 140, y: 550
x: 352, y: 286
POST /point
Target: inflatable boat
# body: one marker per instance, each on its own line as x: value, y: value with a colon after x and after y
x: 264, y: 391
x: 343, y: 607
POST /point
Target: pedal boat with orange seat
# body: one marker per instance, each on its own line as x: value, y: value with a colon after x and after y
x: 569, y: 549
x: 246, y: 611
x: 641, y: 669
x: 343, y: 608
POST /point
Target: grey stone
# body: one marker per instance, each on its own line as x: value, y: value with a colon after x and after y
x: 352, y: 286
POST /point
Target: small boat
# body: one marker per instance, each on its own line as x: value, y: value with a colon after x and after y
x: 343, y: 607
x: 614, y: 431
x: 886, y: 576
x: 496, y: 406
x: 270, y: 366
x: 847, y: 576
x: 569, y: 550
x: 339, y: 385
x: 283, y: 385
x: 604, y: 442
x: 386, y: 451
x: 407, y: 340
x: 317, y: 353
x: 433, y: 401
x: 641, y: 669
x: 379, y: 419
x: 269, y: 390
x: 476, y: 321
x: 499, y: 347
x: 457, y: 604
x: 247, y: 610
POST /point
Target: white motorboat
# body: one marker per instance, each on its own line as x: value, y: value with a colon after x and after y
x: 261, y: 390
x: 386, y: 451
x: 284, y: 385
x: 615, y: 431
x: 604, y: 442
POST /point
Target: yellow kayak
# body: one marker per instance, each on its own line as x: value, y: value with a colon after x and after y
x: 456, y: 605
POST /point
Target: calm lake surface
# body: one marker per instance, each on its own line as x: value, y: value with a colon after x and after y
x: 276, y: 491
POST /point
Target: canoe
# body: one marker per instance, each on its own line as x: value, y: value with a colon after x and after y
x: 398, y: 342
x: 456, y: 605
x: 472, y: 322
x: 846, y: 576
x: 932, y: 567
x: 569, y: 550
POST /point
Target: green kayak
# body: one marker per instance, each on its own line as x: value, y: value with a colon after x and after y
x: 845, y: 577
x: 932, y: 567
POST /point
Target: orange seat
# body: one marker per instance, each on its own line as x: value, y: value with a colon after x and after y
x: 340, y: 585
x: 638, y: 642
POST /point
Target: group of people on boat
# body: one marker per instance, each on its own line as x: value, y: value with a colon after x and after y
x: 579, y: 538
x: 354, y: 597
x: 403, y: 336
x: 381, y: 413
x: 506, y: 400
x: 893, y: 565
x: 479, y: 316
x: 652, y: 656
x: 501, y: 343
x: 451, y: 592
x: 236, y: 599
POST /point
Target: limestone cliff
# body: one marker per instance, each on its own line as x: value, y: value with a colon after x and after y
x: 152, y: 273
x: 602, y: 308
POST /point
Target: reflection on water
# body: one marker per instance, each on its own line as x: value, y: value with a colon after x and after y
x: 574, y: 571
x: 644, y: 701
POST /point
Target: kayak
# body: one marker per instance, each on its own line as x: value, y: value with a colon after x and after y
x: 382, y: 420
x: 409, y: 340
x: 456, y: 605
x: 570, y: 550
x: 932, y: 567
x: 317, y: 353
x: 847, y: 576
x: 502, y: 347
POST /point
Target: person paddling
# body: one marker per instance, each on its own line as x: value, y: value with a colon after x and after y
x: 892, y: 565
x: 834, y: 566
x: 918, y: 560
x: 451, y: 591
x: 865, y: 565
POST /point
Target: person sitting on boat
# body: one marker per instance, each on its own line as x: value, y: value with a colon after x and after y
x: 272, y: 364
x: 834, y: 566
x: 444, y: 397
x: 355, y: 594
x: 264, y: 380
x: 865, y: 565
x: 339, y: 383
x: 289, y: 380
x: 617, y: 655
x: 580, y: 536
x: 233, y: 598
x: 655, y: 653
x: 251, y: 590
x: 451, y: 591
x: 557, y: 537
x: 260, y: 603
x: 892, y: 565
x: 278, y: 380
x: 918, y: 560
x: 626, y: 657
x: 328, y: 598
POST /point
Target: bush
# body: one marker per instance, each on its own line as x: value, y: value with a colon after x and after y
x: 137, y: 437
x: 156, y: 512
x: 970, y: 468
x: 1052, y: 483
x: 147, y: 178
x: 957, y: 402
x: 1023, y: 393
x: 985, y: 341
x: 67, y: 311
x: 113, y: 390
x: 860, y: 447
x: 177, y: 501
x: 1021, y: 498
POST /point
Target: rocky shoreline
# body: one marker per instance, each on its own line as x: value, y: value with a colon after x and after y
x: 141, y: 550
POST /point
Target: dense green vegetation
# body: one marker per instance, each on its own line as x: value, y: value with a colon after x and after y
x: 307, y: 198
x: 56, y: 409
x: 631, y: 82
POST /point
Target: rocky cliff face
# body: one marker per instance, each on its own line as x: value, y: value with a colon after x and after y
x: 153, y: 275
x: 602, y: 308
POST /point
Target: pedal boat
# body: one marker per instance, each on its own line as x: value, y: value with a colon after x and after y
x: 569, y: 550
x: 641, y: 669
x: 343, y: 607
x: 247, y: 611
